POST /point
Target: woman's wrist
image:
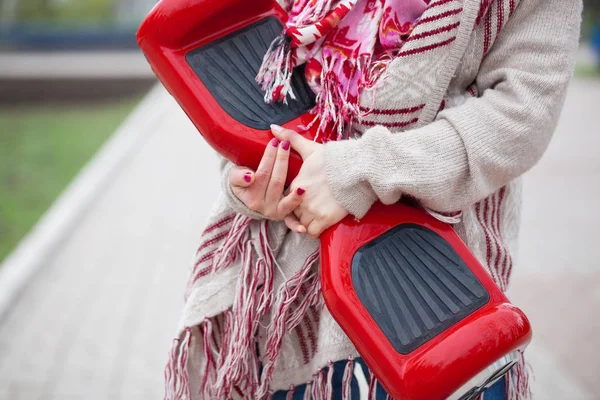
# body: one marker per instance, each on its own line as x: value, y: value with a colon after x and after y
x: 345, y: 169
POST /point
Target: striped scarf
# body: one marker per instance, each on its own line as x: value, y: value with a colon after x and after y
x: 231, y: 366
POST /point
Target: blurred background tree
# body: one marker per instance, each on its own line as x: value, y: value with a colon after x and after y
x: 591, y: 18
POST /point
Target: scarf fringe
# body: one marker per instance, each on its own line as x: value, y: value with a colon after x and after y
x: 312, y: 11
x: 275, y: 73
x: 285, y: 318
x: 335, y: 106
x: 209, y: 352
x: 329, y: 381
x: 308, y: 391
x: 518, y: 380
x: 347, y: 379
x: 318, y: 386
x: 372, y: 386
x: 239, y: 364
x: 290, y: 393
x: 231, y: 365
x: 176, y: 376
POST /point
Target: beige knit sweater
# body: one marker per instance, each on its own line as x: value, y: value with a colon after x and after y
x: 463, y: 111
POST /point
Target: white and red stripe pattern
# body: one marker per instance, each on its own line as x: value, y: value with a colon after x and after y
x: 497, y: 257
x: 436, y: 28
x: 306, y: 331
x: 493, y: 19
x: 426, y: 46
x: 395, y: 119
x: 213, y: 236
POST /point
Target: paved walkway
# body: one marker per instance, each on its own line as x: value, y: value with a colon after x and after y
x: 97, y: 321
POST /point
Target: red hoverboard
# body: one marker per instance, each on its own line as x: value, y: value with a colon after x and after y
x: 421, y: 310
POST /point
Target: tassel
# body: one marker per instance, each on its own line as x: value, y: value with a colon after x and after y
x: 308, y: 391
x: 317, y: 386
x: 329, y: 381
x: 235, y: 364
x: 335, y: 105
x: 176, y: 377
x: 290, y: 393
x: 347, y: 379
x: 284, y: 319
x: 209, y: 367
x: 275, y: 73
x: 518, y: 380
x: 239, y: 363
x: 372, y: 386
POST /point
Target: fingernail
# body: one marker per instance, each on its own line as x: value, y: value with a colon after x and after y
x: 300, y: 191
x: 285, y: 145
x: 275, y: 142
x: 276, y: 128
x: 248, y: 177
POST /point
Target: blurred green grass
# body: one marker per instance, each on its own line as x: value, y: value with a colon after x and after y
x: 65, y: 11
x: 41, y: 150
x: 587, y: 71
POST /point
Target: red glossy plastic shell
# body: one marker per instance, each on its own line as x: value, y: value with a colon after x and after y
x: 170, y: 31
x: 441, y: 366
x: 434, y: 370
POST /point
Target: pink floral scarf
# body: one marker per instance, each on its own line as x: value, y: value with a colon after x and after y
x: 345, y: 44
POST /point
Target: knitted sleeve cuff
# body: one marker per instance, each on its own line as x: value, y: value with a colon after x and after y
x: 424, y: 163
x: 345, y: 177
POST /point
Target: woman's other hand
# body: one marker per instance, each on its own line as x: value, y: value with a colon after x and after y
x: 319, y: 210
x: 262, y: 190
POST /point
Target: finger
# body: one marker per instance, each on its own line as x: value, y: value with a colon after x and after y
x: 290, y: 202
x: 278, y: 174
x: 263, y: 172
x: 291, y: 221
x: 241, y: 177
x: 302, y: 145
x: 315, y: 228
x: 305, y: 217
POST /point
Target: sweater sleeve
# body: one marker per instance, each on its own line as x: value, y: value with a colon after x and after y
x: 471, y: 150
x: 236, y: 204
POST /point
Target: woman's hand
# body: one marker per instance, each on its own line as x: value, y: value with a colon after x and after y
x: 319, y: 210
x: 262, y: 190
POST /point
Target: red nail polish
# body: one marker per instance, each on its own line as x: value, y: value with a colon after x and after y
x: 285, y: 145
x: 275, y: 142
x: 248, y: 177
x: 300, y: 191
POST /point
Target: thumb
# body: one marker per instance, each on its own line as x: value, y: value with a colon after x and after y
x: 302, y: 145
x: 240, y: 177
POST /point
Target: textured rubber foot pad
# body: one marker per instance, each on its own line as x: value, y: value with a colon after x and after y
x: 414, y: 285
x: 228, y: 68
